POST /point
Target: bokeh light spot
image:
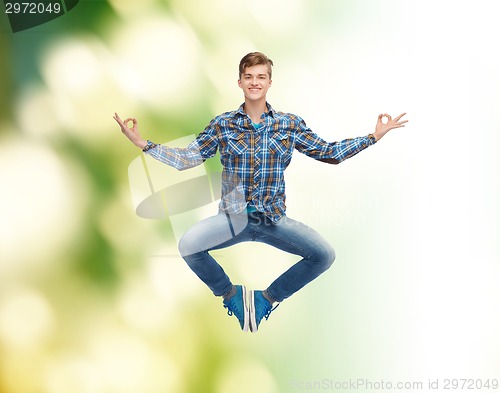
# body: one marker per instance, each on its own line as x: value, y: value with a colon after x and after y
x: 26, y: 318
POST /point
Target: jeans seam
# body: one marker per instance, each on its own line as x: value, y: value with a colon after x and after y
x: 290, y: 243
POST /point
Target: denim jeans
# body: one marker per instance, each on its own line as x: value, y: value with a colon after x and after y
x: 224, y: 230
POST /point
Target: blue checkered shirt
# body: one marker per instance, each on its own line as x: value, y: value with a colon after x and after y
x: 254, y: 159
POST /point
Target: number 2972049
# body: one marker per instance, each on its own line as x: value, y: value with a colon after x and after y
x: 32, y: 8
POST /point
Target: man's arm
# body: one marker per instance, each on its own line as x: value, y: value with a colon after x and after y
x: 310, y: 144
x: 205, y: 146
x: 335, y: 152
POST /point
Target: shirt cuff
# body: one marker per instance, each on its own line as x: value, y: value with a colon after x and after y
x: 149, y: 146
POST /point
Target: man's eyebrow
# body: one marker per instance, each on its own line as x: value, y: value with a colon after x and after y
x: 253, y: 74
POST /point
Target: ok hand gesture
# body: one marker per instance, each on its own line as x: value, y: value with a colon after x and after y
x: 131, y: 133
x: 383, y: 128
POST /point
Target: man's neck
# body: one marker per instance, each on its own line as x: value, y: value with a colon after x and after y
x: 255, y: 109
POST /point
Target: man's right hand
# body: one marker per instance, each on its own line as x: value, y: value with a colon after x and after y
x: 131, y: 133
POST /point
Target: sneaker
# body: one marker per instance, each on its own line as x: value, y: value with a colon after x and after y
x: 259, y: 308
x: 237, y: 306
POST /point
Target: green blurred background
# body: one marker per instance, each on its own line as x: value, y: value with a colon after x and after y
x: 94, y: 299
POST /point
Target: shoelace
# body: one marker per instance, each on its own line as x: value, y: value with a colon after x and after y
x: 229, y: 311
x: 230, y: 307
x: 268, y: 312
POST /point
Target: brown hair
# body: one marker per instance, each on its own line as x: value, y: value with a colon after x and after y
x: 256, y: 58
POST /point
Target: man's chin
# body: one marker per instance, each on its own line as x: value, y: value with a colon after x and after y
x: 255, y: 97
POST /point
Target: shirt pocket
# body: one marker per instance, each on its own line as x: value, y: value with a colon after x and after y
x: 237, y: 143
x: 279, y: 143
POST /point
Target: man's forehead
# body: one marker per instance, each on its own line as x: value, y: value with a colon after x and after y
x: 257, y: 70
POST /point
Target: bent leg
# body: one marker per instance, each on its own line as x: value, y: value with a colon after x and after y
x: 213, y: 233
x: 296, y: 238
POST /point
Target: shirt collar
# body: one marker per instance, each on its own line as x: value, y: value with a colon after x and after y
x: 270, y: 110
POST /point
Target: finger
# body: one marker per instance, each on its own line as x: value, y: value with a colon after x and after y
x: 400, y: 116
x: 382, y: 116
x: 134, y: 123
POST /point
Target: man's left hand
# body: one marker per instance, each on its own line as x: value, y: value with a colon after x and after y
x: 383, y: 128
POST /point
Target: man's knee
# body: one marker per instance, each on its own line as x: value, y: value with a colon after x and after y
x: 326, y: 256
x: 187, y: 245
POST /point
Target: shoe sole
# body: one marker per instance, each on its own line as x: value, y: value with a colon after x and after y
x: 246, y: 322
x: 251, y: 312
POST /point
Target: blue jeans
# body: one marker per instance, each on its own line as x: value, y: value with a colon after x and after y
x: 224, y: 230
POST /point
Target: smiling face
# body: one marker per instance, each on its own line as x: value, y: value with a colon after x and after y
x: 255, y: 82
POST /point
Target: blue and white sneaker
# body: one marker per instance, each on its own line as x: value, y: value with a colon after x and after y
x: 259, y: 308
x: 237, y: 306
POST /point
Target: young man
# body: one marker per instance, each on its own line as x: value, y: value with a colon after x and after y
x: 256, y: 145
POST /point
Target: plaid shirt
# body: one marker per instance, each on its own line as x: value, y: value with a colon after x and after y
x: 254, y: 159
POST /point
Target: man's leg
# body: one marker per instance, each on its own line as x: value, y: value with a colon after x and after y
x: 214, y: 233
x: 220, y: 231
x: 296, y: 238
